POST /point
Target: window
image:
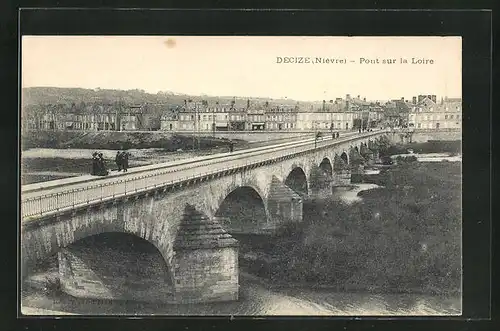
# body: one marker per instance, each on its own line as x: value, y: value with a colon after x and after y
x: 419, y: 125
x: 445, y: 117
x: 451, y: 117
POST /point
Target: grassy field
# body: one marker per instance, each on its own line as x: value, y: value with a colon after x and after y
x: 404, y: 237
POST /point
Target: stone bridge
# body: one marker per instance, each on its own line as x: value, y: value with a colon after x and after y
x: 185, y: 211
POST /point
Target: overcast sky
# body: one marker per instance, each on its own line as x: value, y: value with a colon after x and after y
x: 246, y: 66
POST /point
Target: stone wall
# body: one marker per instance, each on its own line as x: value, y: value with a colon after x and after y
x: 206, y: 275
x: 422, y: 136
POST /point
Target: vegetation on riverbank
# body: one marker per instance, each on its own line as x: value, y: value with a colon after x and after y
x: 404, y: 237
x: 117, y: 140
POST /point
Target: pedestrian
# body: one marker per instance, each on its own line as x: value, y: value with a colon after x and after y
x: 119, y: 160
x: 360, y: 130
x: 338, y: 134
x: 95, y: 164
x: 125, y: 156
x: 231, y: 147
x: 102, y: 166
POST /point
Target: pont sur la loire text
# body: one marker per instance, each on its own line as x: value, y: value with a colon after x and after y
x: 361, y: 60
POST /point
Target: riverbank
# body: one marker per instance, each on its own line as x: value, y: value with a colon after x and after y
x: 403, y: 237
x: 118, y: 140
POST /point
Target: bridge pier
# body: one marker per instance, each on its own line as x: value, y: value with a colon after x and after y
x: 205, y: 261
x: 341, y: 172
x: 284, y: 205
x: 357, y: 163
x: 320, y: 183
x: 367, y: 154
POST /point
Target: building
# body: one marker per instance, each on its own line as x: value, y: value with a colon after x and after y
x: 396, y: 112
x: 88, y: 117
x: 200, y: 117
x: 427, y: 114
x: 281, y: 118
x: 237, y: 118
x: 170, y: 119
x: 335, y: 114
x: 256, y: 117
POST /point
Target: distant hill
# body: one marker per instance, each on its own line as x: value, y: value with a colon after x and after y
x: 36, y: 96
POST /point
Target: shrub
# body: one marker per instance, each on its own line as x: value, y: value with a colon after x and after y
x: 402, y: 237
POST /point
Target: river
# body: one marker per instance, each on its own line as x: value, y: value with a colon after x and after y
x: 256, y: 297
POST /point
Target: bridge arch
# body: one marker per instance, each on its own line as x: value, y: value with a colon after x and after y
x: 242, y: 208
x: 297, y: 180
x: 118, y: 254
x: 327, y: 166
x: 63, y: 236
x: 345, y: 156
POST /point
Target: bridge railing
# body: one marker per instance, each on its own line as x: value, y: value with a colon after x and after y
x: 71, y: 198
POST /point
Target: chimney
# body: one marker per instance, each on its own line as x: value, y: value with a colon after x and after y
x: 358, y: 96
x: 414, y: 101
x: 433, y: 98
x: 364, y: 99
x: 348, y: 97
x: 402, y: 98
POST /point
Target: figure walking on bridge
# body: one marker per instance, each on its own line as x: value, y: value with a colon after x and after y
x: 119, y: 160
x: 101, y: 166
x: 125, y: 156
x: 95, y: 164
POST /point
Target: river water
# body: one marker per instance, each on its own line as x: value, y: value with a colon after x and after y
x: 256, y: 297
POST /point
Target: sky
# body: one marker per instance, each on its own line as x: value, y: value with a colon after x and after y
x: 247, y: 66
